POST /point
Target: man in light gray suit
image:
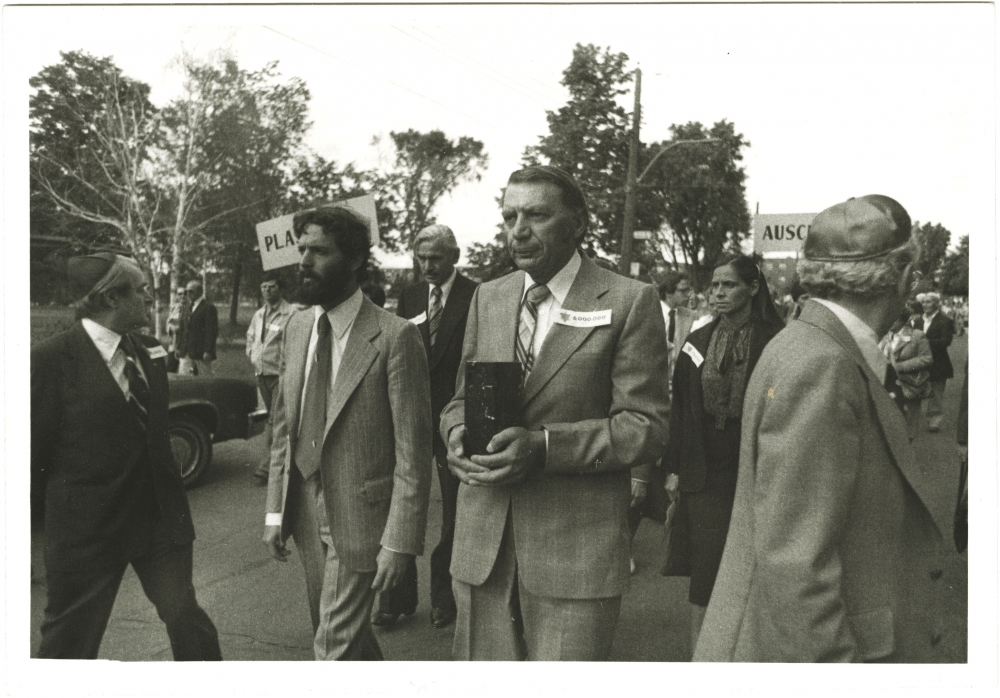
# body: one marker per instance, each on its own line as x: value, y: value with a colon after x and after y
x: 832, y: 551
x: 351, y: 459
x: 541, y: 539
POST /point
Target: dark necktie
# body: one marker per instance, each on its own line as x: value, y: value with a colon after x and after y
x: 526, y: 327
x: 313, y: 420
x: 434, y: 319
x: 138, y: 389
x: 672, y: 326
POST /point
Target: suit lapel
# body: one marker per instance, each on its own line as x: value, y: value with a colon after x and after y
x: 454, y: 310
x: 420, y: 306
x: 563, y: 340
x: 358, y: 357
x: 299, y: 329
x: 498, y: 319
x: 893, y: 426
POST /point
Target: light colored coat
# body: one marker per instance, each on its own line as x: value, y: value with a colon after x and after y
x: 266, y: 355
x: 600, y: 394
x: 376, y: 462
x: 831, y: 553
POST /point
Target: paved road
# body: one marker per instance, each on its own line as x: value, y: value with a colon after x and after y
x: 259, y: 604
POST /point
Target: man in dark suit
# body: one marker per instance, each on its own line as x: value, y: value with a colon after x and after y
x: 101, y: 459
x: 939, y: 329
x: 438, y: 305
x: 541, y: 537
x: 197, y: 350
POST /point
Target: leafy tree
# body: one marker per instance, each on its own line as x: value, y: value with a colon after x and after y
x: 955, y: 271
x: 248, y: 130
x: 588, y: 137
x: 934, y: 239
x: 491, y: 260
x: 426, y: 166
x: 701, y: 191
x: 93, y: 137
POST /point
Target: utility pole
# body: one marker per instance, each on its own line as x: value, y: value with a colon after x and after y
x: 628, y: 226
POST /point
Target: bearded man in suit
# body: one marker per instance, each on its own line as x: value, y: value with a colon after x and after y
x: 832, y: 551
x: 939, y: 329
x: 438, y: 306
x: 351, y: 457
x: 102, y: 469
x: 541, y: 539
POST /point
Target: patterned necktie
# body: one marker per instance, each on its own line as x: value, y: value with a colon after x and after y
x: 434, y: 316
x: 672, y: 327
x: 526, y: 328
x: 312, y: 424
x: 138, y: 389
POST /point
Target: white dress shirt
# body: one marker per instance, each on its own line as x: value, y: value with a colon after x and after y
x: 559, y: 286
x: 928, y: 319
x: 445, y: 291
x: 107, y: 342
x: 863, y: 335
x: 341, y: 321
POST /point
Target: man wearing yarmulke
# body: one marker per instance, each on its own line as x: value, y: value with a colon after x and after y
x: 103, y: 478
x: 831, y: 553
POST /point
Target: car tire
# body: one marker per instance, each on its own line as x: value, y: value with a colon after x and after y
x: 191, y: 447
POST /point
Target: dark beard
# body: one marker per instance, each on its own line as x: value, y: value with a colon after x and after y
x: 319, y: 291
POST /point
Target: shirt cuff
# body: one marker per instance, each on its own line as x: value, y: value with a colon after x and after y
x: 272, y: 519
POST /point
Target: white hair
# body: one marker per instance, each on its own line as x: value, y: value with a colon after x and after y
x: 868, y: 278
x: 437, y: 233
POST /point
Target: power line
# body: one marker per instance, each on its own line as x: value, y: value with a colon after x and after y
x: 548, y: 88
x: 514, y: 84
x: 382, y: 78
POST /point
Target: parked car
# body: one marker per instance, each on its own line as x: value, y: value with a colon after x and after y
x: 204, y: 411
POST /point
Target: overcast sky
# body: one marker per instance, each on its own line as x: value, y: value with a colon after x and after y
x: 836, y: 101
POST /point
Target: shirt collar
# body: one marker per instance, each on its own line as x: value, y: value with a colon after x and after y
x: 559, y: 284
x: 105, y: 340
x: 928, y: 319
x: 862, y: 334
x: 446, y: 286
x: 342, y: 316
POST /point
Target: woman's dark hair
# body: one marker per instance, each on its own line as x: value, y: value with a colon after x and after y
x: 347, y: 229
x: 761, y: 305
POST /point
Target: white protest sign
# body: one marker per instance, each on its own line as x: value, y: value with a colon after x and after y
x: 781, y: 232
x: 277, y: 241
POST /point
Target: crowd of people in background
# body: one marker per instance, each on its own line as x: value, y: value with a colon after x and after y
x: 771, y: 436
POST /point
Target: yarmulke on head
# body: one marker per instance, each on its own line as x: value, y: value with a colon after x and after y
x: 84, y: 272
x: 857, y: 229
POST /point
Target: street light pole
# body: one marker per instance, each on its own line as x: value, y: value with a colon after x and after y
x: 632, y: 183
x: 625, y: 262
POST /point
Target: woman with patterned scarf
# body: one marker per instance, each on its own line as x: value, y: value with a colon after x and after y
x: 709, y: 383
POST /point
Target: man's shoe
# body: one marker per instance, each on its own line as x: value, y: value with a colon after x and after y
x: 387, y: 620
x: 442, y: 617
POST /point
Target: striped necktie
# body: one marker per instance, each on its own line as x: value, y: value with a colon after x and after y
x: 434, y: 318
x: 526, y: 327
x: 138, y: 389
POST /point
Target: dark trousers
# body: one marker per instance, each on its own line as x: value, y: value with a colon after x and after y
x: 266, y: 385
x: 403, y: 598
x: 80, y: 603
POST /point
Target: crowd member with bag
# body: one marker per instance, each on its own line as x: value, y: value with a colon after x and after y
x: 709, y: 384
x: 909, y: 353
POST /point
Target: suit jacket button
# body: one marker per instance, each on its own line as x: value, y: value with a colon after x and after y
x: 936, y: 574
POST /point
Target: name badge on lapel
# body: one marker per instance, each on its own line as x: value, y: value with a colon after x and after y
x: 274, y: 328
x: 157, y: 352
x: 419, y: 319
x: 695, y: 355
x: 577, y: 318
